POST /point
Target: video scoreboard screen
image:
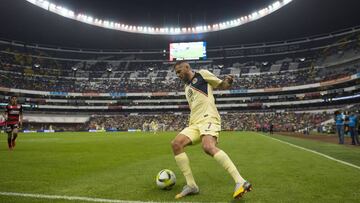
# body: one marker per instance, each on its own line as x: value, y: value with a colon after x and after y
x: 187, y: 51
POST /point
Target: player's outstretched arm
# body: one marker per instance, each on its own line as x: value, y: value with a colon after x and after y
x: 226, y: 83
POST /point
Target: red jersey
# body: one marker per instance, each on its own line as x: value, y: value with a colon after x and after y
x: 13, y: 114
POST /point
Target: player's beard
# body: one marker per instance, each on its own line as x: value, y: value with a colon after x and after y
x: 186, y: 78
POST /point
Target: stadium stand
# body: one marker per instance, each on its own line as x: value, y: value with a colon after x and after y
x: 122, y: 90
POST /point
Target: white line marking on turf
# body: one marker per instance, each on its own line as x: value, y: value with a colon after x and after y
x: 73, y: 198
x: 315, y: 152
x: 42, y: 196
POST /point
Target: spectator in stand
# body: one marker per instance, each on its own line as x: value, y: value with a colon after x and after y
x: 54, y: 75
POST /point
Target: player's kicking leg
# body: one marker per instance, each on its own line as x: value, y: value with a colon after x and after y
x: 241, y: 189
x: 209, y: 145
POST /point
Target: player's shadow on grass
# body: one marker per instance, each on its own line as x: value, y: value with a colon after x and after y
x: 237, y: 200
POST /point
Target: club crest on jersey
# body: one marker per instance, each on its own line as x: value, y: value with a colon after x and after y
x: 194, y: 81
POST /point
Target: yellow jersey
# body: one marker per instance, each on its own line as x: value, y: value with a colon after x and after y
x: 199, y: 94
x: 154, y: 124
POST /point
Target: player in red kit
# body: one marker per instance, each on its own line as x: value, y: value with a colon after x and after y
x: 14, y: 118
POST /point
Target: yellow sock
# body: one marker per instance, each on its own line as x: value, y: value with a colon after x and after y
x: 183, y: 162
x: 226, y: 162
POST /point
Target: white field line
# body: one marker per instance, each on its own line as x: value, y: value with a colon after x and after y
x: 315, y: 152
x: 74, y: 198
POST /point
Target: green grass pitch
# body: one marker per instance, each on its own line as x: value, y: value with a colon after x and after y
x: 123, y: 166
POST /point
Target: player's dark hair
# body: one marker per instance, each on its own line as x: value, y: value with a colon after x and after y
x: 178, y: 63
x: 10, y: 98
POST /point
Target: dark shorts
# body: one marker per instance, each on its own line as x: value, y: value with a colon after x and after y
x: 10, y: 127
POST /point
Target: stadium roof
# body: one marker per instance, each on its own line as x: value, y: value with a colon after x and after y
x: 159, y: 26
x: 299, y: 19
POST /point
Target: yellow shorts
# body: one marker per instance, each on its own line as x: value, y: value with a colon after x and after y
x: 195, y: 131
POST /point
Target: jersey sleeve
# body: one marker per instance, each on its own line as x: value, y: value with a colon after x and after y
x: 210, y: 78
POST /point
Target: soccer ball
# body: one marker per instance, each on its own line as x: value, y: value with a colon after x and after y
x: 165, y: 179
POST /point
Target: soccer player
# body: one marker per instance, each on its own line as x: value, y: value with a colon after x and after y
x: 14, y: 118
x: 204, y: 126
x: 145, y: 126
x: 154, y: 126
